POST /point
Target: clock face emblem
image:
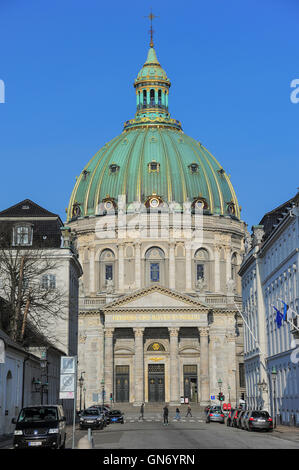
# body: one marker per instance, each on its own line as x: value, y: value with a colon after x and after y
x: 108, y: 205
x: 154, y: 202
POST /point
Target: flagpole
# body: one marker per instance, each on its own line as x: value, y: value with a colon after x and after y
x: 293, y: 311
x: 258, y: 345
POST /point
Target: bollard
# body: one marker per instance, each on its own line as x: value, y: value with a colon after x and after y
x: 84, y: 443
x: 90, y: 437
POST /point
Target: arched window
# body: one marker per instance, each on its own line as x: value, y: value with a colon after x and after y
x: 234, y: 267
x: 202, y: 268
x: 159, y: 97
x: 152, y: 97
x: 107, y: 268
x: 154, y: 265
x: 144, y: 98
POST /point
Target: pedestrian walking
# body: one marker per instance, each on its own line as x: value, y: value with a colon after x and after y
x: 165, y: 415
x: 207, y: 409
x: 142, y: 412
x: 189, y: 411
x: 178, y: 415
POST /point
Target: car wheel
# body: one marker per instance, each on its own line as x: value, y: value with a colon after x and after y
x: 63, y: 445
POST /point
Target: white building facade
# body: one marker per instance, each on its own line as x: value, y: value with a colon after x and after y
x: 270, y: 274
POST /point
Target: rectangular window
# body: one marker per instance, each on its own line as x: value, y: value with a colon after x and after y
x: 199, y: 271
x: 23, y: 236
x: 155, y: 272
x: 108, y: 272
x: 242, y: 375
x: 48, y: 281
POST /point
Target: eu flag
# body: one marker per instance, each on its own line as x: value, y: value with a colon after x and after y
x: 285, y: 310
x: 279, y: 317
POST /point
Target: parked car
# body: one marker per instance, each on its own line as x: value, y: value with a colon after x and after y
x: 239, y: 417
x: 92, y: 418
x: 229, y: 417
x: 40, y: 426
x: 215, y: 414
x: 243, y: 419
x: 257, y: 419
x: 105, y: 410
x: 116, y: 416
x: 235, y: 417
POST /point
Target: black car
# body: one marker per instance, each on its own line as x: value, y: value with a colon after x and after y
x: 92, y: 418
x: 257, y: 419
x: 103, y: 409
x: 40, y: 426
x: 116, y: 416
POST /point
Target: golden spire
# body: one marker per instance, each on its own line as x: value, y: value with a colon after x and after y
x: 151, y: 31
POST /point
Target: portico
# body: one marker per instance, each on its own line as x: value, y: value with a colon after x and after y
x: 160, y: 338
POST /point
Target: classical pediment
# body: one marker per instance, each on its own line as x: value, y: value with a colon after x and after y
x: 156, y: 297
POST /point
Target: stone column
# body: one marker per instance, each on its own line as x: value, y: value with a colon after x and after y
x: 204, y: 367
x: 121, y: 267
x: 228, y: 264
x: 137, y: 266
x: 188, y: 266
x: 139, y: 366
x: 217, y: 268
x: 109, y: 363
x: 92, y: 287
x: 174, y: 366
x: 171, y: 266
x: 231, y: 372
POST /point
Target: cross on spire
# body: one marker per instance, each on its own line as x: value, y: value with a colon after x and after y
x: 151, y: 31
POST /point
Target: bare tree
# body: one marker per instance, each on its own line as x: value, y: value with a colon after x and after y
x: 33, y: 301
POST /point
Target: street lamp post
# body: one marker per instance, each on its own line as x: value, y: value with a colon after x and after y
x: 229, y: 389
x: 274, y: 374
x: 103, y: 391
x: 81, y: 382
x: 84, y: 391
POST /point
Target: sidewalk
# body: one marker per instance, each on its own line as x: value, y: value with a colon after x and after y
x: 290, y: 433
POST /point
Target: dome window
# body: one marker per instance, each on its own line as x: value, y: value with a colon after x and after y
x: 154, y: 167
x: 153, y: 201
x: 200, y: 203
x: 109, y: 203
x: 76, y: 210
x: 113, y: 168
x: 231, y: 208
x: 221, y: 171
x: 85, y: 173
x: 193, y: 168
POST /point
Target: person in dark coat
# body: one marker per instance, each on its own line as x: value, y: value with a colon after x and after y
x: 165, y: 415
x: 189, y: 411
x: 141, y: 411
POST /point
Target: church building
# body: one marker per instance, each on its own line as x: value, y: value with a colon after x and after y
x: 160, y: 240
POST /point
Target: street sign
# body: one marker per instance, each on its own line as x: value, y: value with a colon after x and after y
x: 229, y: 406
x: 67, y: 365
x: 224, y: 406
x: 2, y: 351
x: 212, y: 397
x: 67, y: 377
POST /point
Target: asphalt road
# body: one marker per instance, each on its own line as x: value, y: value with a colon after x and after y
x: 191, y: 434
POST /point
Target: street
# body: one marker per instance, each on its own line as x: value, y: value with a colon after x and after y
x: 190, y: 433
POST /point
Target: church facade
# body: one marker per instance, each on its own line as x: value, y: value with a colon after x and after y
x: 160, y: 240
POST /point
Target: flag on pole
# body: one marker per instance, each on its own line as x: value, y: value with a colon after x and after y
x: 279, y: 317
x: 285, y: 311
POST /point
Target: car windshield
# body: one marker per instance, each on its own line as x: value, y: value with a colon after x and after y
x: 115, y: 412
x: 215, y: 408
x: 48, y: 413
x: 260, y: 414
x: 93, y: 412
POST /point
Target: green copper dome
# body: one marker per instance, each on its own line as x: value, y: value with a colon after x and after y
x: 153, y: 160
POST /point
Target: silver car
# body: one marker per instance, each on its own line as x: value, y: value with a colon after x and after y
x: 215, y: 414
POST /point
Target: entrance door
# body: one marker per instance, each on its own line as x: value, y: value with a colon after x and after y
x: 122, y: 383
x: 190, y: 383
x: 156, y: 383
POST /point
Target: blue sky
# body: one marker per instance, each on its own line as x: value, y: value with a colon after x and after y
x: 69, y: 65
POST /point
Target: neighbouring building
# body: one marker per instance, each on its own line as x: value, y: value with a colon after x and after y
x: 35, y: 242
x: 160, y: 240
x: 269, y: 273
